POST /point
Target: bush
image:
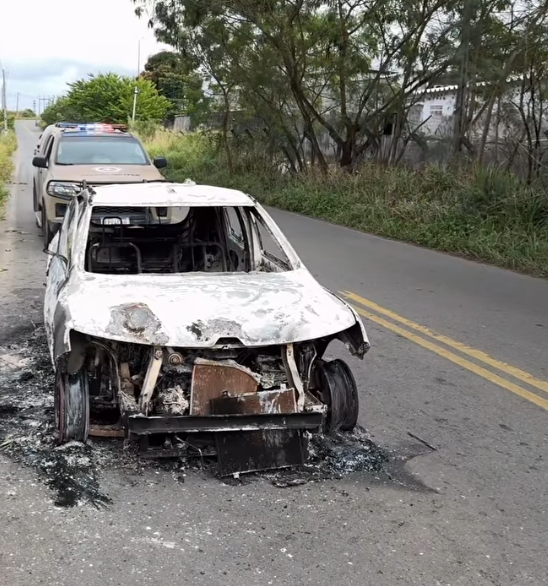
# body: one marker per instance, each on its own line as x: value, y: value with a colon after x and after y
x: 107, y: 98
x: 484, y: 214
x: 8, y: 144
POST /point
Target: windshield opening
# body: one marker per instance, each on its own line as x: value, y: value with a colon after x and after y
x: 99, y: 150
x: 164, y: 240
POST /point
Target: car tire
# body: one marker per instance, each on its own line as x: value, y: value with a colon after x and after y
x: 71, y: 406
x: 340, y: 393
x: 47, y: 231
x: 35, y: 205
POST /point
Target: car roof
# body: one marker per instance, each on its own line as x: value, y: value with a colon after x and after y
x: 187, y: 194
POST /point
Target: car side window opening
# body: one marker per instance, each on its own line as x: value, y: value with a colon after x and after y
x: 48, y: 148
x: 273, y: 254
x: 42, y: 143
x: 237, y: 235
x: 133, y: 240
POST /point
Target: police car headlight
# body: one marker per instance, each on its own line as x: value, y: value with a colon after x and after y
x: 63, y: 189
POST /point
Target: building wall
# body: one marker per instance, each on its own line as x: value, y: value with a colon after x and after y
x: 434, y: 111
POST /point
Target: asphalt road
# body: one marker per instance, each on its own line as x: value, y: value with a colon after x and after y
x: 459, y: 359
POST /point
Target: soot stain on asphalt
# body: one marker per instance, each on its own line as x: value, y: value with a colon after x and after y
x: 353, y: 454
x: 72, y: 471
x: 27, y: 426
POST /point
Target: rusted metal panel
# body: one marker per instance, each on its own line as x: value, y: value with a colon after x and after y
x: 277, y: 401
x: 211, y: 379
x: 106, y: 431
x: 259, y: 450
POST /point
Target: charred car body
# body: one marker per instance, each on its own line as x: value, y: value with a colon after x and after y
x: 201, y: 330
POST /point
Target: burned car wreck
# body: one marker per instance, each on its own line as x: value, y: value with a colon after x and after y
x: 203, y: 331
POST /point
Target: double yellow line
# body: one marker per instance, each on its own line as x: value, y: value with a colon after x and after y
x: 360, y: 303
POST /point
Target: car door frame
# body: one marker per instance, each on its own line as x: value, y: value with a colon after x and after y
x: 60, y: 263
x: 241, y: 247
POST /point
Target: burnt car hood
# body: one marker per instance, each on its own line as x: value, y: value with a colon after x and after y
x: 106, y: 173
x: 201, y: 310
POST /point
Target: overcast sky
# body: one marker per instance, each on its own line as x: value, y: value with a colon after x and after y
x: 44, y: 44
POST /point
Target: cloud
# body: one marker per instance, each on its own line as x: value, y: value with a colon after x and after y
x: 42, y: 71
x: 41, y: 79
x: 45, y: 44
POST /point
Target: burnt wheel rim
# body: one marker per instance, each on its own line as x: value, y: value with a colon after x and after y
x: 71, y: 407
x: 60, y: 406
x: 338, y: 391
x: 351, y: 406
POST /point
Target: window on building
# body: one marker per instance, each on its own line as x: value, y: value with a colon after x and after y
x: 436, y: 111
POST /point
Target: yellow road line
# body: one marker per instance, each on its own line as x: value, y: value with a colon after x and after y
x: 479, y: 370
x: 477, y: 354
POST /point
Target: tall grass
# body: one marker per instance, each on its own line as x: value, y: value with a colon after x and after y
x: 480, y: 213
x: 8, y: 144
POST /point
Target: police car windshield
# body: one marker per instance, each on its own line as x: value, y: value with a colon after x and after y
x: 100, y: 150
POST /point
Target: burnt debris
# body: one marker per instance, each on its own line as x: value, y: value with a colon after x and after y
x: 73, y: 470
x: 27, y: 426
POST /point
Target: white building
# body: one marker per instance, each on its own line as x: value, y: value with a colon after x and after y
x: 433, y: 109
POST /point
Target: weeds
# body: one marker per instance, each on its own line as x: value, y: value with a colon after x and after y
x: 8, y: 144
x: 481, y: 213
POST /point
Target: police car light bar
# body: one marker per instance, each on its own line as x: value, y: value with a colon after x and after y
x: 96, y: 127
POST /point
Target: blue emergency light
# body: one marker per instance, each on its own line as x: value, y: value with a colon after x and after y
x: 94, y: 127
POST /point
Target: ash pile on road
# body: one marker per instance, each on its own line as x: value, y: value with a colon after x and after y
x: 27, y: 426
x: 331, y: 457
x: 338, y: 454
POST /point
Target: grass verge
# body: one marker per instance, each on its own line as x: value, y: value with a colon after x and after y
x: 8, y: 144
x: 483, y: 214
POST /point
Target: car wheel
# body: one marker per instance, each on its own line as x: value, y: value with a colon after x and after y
x: 339, y: 392
x: 71, y: 406
x: 46, y: 228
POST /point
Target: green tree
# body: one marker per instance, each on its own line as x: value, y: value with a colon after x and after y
x: 175, y: 78
x: 109, y: 98
x: 61, y: 110
x: 342, y: 66
x: 351, y: 70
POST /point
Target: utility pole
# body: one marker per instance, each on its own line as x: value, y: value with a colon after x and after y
x: 17, y: 105
x: 41, y: 100
x: 136, y: 91
x: 462, y: 90
x: 4, y: 100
